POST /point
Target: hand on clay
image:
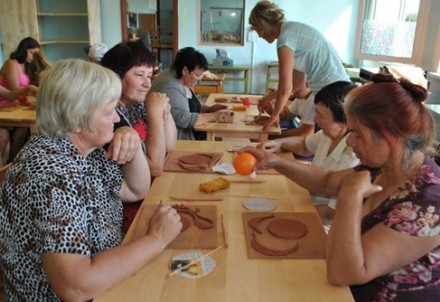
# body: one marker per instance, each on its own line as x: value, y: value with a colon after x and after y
x: 217, y: 107
x: 265, y: 104
x: 165, y: 224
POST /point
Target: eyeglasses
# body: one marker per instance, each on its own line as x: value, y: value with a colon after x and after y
x: 198, y: 76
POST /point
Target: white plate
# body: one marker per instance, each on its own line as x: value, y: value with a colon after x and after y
x: 259, y: 204
x: 248, y: 118
x: 199, y: 269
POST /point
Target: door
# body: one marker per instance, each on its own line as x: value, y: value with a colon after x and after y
x: 18, y: 20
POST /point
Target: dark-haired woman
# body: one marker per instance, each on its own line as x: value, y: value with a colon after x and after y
x: 157, y: 131
x: 328, y: 145
x: 148, y: 114
x: 385, y: 237
x: 178, y: 82
x: 15, y: 81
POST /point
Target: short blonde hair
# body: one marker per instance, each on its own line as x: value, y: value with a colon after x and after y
x: 267, y: 11
x: 70, y: 93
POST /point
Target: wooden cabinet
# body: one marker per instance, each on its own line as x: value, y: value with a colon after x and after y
x: 63, y: 28
x: 66, y: 27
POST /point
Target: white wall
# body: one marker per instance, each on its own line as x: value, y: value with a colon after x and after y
x: 111, y: 22
x: 335, y: 19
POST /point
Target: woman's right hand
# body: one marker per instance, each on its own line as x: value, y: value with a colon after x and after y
x: 265, y: 159
x: 157, y: 104
x: 265, y: 104
x: 270, y: 146
x: 30, y: 90
x: 165, y: 224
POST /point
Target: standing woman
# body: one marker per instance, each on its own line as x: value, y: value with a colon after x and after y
x: 299, y: 46
x: 13, y: 77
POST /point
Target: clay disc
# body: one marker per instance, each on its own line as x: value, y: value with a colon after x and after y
x: 196, y: 159
x: 287, y: 228
x: 261, y: 119
x: 186, y: 223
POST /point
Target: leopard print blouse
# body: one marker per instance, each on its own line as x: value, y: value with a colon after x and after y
x: 54, y: 200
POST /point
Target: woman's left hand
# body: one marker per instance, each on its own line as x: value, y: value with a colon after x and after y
x: 124, y: 146
x: 217, y: 107
x: 274, y: 120
x: 358, y: 183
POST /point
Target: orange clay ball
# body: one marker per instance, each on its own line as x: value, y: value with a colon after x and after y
x: 244, y: 163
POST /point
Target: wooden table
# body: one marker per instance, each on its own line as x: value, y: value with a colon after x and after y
x: 207, y: 86
x: 235, y: 278
x: 238, y: 128
x: 18, y: 116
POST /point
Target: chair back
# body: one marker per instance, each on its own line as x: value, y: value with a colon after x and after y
x: 3, y: 171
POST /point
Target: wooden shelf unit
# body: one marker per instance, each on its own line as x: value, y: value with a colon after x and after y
x: 269, y: 76
x: 242, y: 74
x: 66, y: 27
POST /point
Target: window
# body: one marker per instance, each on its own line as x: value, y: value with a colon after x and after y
x: 392, y: 30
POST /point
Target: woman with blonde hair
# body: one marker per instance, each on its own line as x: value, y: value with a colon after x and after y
x: 61, y: 200
x: 299, y: 46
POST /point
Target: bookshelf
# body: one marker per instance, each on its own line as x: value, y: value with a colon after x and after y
x: 66, y: 27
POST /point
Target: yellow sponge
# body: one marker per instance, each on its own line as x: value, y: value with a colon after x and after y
x: 214, y: 185
x: 239, y: 108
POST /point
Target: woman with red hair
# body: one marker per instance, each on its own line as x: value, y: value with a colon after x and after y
x: 384, y: 241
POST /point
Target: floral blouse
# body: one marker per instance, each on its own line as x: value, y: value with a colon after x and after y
x: 413, y: 209
x: 136, y: 117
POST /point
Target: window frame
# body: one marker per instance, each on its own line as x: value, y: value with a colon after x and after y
x: 419, y: 39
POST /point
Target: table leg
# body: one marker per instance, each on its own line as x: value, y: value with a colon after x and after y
x: 264, y: 137
x: 210, y: 136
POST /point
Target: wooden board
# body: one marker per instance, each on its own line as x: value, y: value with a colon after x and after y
x: 172, y: 165
x: 311, y: 246
x: 193, y: 237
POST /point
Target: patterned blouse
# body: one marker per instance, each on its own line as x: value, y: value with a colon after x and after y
x: 134, y: 116
x: 54, y: 200
x: 413, y: 209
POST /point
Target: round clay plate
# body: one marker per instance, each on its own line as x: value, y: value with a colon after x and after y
x: 287, y: 228
x: 199, y: 269
x: 259, y: 204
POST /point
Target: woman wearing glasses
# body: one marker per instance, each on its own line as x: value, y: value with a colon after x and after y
x: 186, y: 108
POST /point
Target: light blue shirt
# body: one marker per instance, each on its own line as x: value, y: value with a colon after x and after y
x: 313, y: 55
